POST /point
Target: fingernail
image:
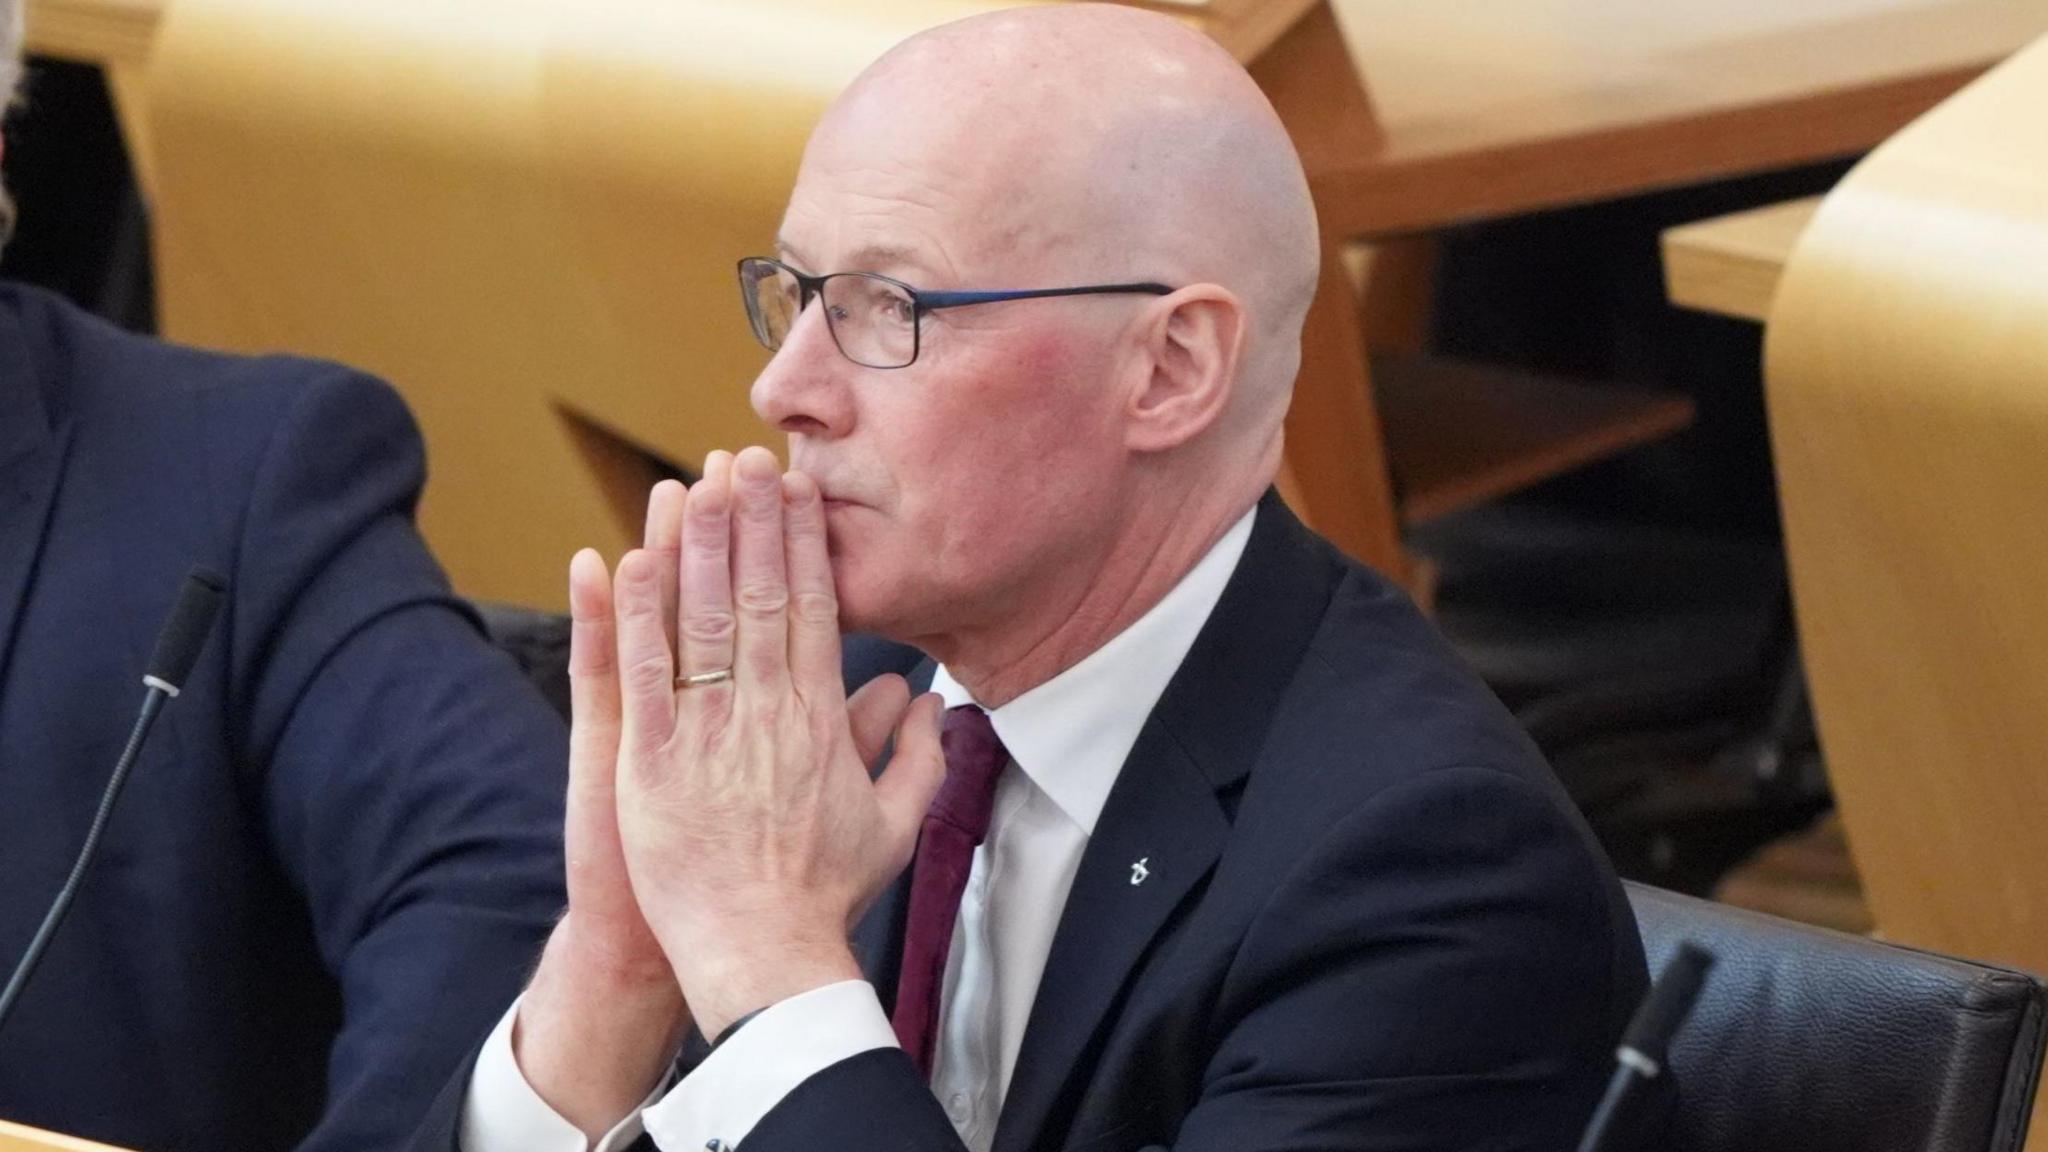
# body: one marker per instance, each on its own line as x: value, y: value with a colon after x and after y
x: 757, y: 466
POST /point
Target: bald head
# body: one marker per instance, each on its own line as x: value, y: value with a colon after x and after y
x: 1031, y: 474
x: 1089, y: 142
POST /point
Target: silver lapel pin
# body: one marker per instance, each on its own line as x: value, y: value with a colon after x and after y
x: 1139, y: 871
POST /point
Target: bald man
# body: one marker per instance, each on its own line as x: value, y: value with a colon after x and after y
x: 1194, y: 835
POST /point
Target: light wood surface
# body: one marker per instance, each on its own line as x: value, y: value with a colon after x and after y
x: 20, y: 1138
x: 1481, y: 108
x: 103, y: 32
x: 1494, y: 107
x: 109, y: 32
x: 1730, y: 264
x: 1411, y: 117
x: 1906, y: 363
x: 536, y: 247
x: 1466, y: 110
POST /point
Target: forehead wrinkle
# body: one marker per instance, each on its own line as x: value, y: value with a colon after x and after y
x: 963, y: 202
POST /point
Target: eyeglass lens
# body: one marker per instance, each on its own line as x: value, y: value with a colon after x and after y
x: 873, y: 320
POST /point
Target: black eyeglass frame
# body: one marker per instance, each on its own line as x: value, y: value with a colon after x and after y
x: 810, y: 288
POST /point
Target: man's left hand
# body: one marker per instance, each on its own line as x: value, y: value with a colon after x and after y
x: 752, y: 830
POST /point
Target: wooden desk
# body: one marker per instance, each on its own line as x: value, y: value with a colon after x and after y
x: 20, y: 1138
x: 104, y: 32
x: 1412, y: 117
x: 117, y: 32
x: 1488, y: 108
x: 1462, y: 111
x: 1730, y: 265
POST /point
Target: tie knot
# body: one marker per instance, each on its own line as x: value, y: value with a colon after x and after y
x: 974, y: 759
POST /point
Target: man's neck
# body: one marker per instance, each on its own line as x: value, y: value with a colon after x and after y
x: 1063, y: 622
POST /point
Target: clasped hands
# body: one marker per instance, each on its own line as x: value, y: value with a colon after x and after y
x: 721, y: 839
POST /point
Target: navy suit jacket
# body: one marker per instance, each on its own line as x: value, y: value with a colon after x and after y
x: 1372, y: 919
x: 340, y: 850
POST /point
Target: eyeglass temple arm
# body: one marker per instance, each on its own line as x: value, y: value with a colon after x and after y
x: 930, y: 300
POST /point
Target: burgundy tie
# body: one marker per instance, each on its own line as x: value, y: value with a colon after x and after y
x: 954, y: 827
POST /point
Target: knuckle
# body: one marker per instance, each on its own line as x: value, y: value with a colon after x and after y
x: 815, y: 608
x: 708, y: 627
x: 640, y: 608
x: 762, y: 598
x: 648, y: 674
x: 762, y: 509
x: 708, y: 525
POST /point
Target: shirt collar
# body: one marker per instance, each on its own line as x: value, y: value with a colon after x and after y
x: 1071, y: 734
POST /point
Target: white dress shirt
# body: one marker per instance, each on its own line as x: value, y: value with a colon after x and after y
x: 1067, y: 740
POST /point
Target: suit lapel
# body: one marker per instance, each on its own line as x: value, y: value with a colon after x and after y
x: 1159, y: 835
x: 31, y: 459
x: 1164, y: 824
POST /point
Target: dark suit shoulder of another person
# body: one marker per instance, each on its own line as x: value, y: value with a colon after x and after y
x: 340, y: 851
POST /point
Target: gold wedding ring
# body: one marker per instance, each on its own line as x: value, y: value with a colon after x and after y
x: 702, y: 678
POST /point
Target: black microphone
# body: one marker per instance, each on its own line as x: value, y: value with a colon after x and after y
x: 177, y: 649
x: 1645, y: 1045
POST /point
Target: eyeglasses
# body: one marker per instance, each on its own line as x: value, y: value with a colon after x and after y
x: 873, y: 319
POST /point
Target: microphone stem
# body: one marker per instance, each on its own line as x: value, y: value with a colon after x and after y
x: 152, y: 703
x: 1603, y: 1116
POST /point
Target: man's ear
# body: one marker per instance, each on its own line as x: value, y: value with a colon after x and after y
x: 1192, y: 345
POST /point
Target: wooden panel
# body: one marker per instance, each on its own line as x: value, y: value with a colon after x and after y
x: 536, y: 247
x: 121, y: 31
x: 19, y: 1138
x: 1336, y: 464
x: 1731, y: 264
x: 93, y: 31
x: 1504, y: 106
x: 1461, y: 434
x: 1906, y: 364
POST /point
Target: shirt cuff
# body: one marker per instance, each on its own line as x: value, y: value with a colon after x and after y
x: 787, y: 1044
x: 502, y: 1113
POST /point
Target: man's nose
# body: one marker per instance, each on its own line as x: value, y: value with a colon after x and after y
x: 804, y: 387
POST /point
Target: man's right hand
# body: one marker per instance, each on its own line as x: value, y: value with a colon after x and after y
x: 603, y: 1015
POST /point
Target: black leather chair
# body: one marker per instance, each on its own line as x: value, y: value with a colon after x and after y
x: 538, y: 641
x: 1806, y: 1040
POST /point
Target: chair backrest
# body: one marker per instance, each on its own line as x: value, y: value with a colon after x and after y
x: 537, y: 641
x: 1808, y: 1040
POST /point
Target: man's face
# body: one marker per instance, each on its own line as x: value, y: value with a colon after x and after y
x: 958, y: 485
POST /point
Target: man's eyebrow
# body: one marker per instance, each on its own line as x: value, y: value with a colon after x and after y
x: 873, y: 258
x: 788, y: 252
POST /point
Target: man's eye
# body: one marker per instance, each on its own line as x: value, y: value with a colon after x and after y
x: 897, y: 310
